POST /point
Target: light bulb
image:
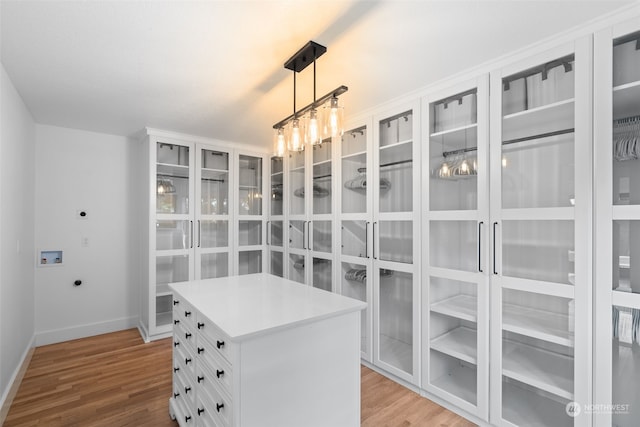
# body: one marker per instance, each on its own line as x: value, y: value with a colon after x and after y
x: 295, y: 144
x: 160, y: 188
x: 278, y: 143
x: 313, y: 129
x: 504, y: 161
x: 464, y: 167
x: 334, y: 114
x: 444, y: 170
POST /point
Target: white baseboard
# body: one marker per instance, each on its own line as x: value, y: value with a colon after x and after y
x: 83, y: 331
x: 15, y: 381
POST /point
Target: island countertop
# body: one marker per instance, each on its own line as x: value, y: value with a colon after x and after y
x: 255, y: 304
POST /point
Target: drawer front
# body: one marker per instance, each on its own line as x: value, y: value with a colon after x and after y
x: 205, y: 415
x: 217, y: 403
x: 185, y: 391
x: 184, y: 417
x: 215, y: 368
x: 216, y: 338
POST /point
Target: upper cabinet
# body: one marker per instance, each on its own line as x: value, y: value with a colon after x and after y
x: 275, y: 225
x: 617, y: 197
x: 540, y: 227
x: 455, y: 246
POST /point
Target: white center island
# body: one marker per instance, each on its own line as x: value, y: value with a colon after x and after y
x: 260, y: 351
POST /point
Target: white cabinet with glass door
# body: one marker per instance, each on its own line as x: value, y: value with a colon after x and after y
x: 355, y: 267
x: 455, y: 247
x: 617, y: 249
x: 310, y: 217
x: 275, y: 225
x: 189, y: 223
x: 250, y: 218
x: 540, y: 229
x: 395, y: 245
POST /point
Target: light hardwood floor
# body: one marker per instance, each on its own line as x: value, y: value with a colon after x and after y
x: 118, y: 380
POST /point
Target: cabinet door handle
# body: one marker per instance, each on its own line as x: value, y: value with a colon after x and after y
x: 199, y: 233
x: 175, y: 322
x: 366, y: 239
x: 219, y: 344
x: 495, y: 224
x: 200, y: 379
x: 176, y: 302
x: 219, y: 406
x: 187, y: 335
x: 304, y: 235
x: 187, y: 361
x: 309, y: 229
x: 480, y: 246
x: 219, y: 373
x: 200, y: 411
x: 200, y: 350
x: 267, y: 230
x: 176, y: 369
x: 187, y: 313
x: 177, y: 343
x: 191, y: 235
x: 187, y: 418
x: 175, y: 395
x: 374, y: 240
x: 200, y: 325
x: 187, y: 390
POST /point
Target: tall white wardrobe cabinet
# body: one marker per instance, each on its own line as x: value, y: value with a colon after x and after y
x: 617, y: 239
x: 203, y: 216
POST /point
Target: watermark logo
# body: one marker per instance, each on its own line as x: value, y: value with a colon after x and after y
x: 573, y: 409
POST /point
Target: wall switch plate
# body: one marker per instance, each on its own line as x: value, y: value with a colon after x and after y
x: 81, y: 214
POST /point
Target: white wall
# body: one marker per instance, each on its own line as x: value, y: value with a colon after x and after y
x: 17, y: 141
x: 78, y: 170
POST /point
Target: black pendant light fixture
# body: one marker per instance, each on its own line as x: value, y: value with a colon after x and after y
x: 321, y: 119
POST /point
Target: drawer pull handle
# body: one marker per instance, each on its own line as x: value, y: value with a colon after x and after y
x: 177, y: 343
x: 200, y: 325
x: 200, y: 350
x: 175, y: 395
x: 219, y: 373
x: 176, y: 369
x: 187, y: 418
x: 200, y: 379
x: 219, y: 406
x: 187, y: 361
x: 200, y: 411
x: 187, y: 313
x: 187, y: 390
x: 219, y: 344
x: 187, y: 335
x: 175, y: 322
x: 176, y: 302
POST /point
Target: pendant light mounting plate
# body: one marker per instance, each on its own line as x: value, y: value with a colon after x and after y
x: 305, y: 56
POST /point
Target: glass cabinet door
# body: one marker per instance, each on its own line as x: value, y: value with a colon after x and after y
x: 355, y: 215
x: 455, y: 284
x: 395, y: 272
x: 541, y: 172
x: 297, y: 205
x: 212, y: 229
x: 250, y: 214
x: 617, y: 294
x: 174, y: 233
x: 275, y: 225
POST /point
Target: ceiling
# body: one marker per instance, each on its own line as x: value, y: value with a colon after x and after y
x: 215, y: 68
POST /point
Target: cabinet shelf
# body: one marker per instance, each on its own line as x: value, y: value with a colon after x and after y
x: 396, y: 353
x: 174, y: 171
x: 461, y: 138
x: 548, y: 371
x: 460, y: 382
x: 164, y: 318
x: 528, y: 408
x: 357, y: 154
x: 538, y: 121
x: 460, y: 306
x: 625, y: 100
x: 539, y: 324
x: 459, y: 343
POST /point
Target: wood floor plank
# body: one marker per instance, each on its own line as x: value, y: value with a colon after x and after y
x: 117, y: 380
